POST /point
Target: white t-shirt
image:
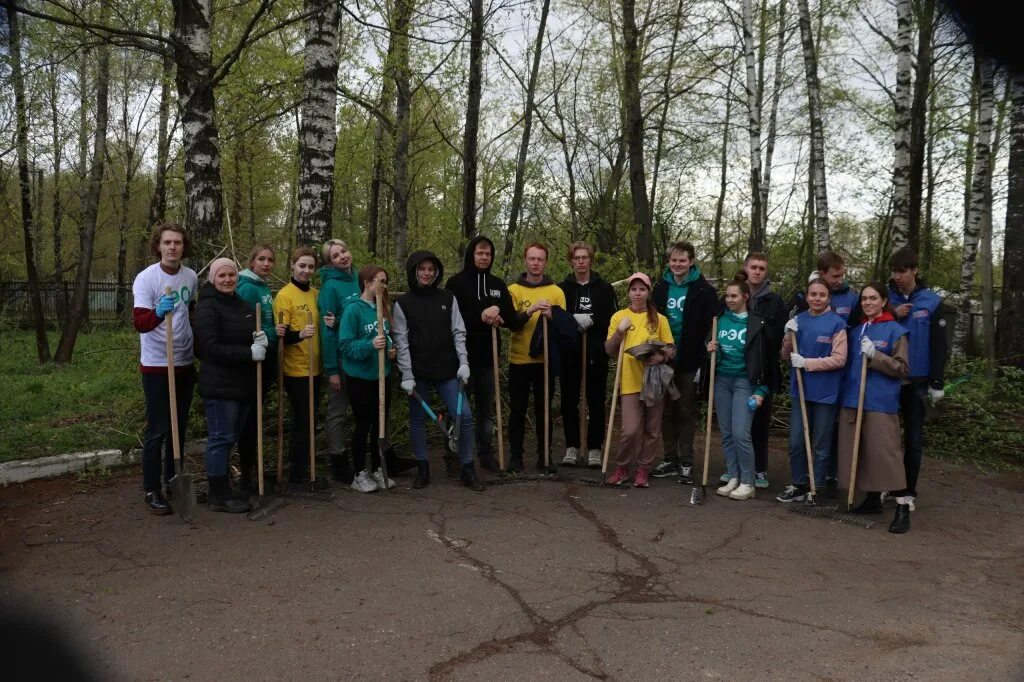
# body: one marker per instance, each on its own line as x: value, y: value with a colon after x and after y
x: 147, y: 289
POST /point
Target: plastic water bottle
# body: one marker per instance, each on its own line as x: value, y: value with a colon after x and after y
x: 752, y: 403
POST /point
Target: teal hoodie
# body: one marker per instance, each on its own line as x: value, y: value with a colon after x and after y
x: 677, y: 300
x: 337, y: 289
x: 355, y: 339
x: 254, y: 289
x: 732, y: 347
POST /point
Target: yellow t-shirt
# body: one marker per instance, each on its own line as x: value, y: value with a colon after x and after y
x: 522, y: 298
x: 633, y: 369
x: 295, y: 303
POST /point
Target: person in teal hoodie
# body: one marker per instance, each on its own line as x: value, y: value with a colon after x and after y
x: 359, y: 340
x: 746, y: 367
x: 338, y: 288
x: 254, y: 288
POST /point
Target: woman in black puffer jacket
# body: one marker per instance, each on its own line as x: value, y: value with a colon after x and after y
x: 228, y: 348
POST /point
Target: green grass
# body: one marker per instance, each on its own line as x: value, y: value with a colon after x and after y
x: 94, y: 402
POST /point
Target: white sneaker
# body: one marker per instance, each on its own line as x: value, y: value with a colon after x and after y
x: 594, y: 458
x: 745, y: 491
x: 726, y: 489
x: 364, y: 483
x: 378, y: 479
x: 571, y: 455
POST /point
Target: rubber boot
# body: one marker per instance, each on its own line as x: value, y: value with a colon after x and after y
x: 341, y: 469
x: 469, y: 479
x: 872, y: 504
x: 220, y: 498
x: 901, y: 522
x: 422, y: 479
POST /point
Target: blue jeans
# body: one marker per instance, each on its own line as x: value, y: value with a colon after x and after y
x: 822, y: 420
x: 449, y: 392
x: 734, y: 420
x: 225, y: 420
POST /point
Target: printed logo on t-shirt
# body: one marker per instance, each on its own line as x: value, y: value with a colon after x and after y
x: 676, y: 303
x: 733, y: 335
x: 584, y: 305
x: 495, y: 293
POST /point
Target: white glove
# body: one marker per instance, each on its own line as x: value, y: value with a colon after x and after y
x: 463, y: 374
x: 259, y: 353
x: 936, y: 394
x: 260, y: 339
x: 792, y: 326
x: 798, y: 360
x: 409, y: 385
x: 867, y: 347
x: 584, y: 321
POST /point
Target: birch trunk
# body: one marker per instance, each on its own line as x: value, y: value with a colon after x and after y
x: 1010, y: 339
x: 773, y: 114
x: 822, y: 230
x: 757, y: 236
x: 901, y: 164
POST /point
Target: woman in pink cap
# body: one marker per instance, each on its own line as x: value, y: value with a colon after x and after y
x: 638, y: 324
x: 228, y: 351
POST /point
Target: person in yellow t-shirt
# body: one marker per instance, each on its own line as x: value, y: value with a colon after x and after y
x: 297, y: 301
x: 533, y: 292
x: 641, y: 424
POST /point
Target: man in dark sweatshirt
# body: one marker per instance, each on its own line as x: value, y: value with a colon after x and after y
x: 485, y: 305
x: 690, y: 304
x: 591, y: 301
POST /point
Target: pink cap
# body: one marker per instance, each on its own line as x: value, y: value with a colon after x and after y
x: 642, y: 277
x: 219, y: 263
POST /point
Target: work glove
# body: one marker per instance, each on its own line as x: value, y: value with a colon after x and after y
x: 798, y: 360
x: 792, y: 326
x: 259, y: 353
x: 409, y: 385
x: 867, y: 347
x: 463, y: 374
x: 260, y: 339
x: 584, y: 321
x: 164, y: 306
x: 936, y: 394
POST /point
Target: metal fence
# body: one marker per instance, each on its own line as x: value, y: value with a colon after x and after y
x: 16, y: 303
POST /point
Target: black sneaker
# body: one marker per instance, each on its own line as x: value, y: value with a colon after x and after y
x: 793, y: 493
x: 685, y: 475
x: 831, y: 488
x: 665, y: 469
x: 158, y: 504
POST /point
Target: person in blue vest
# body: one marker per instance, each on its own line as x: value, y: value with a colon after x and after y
x: 882, y: 341
x: 843, y: 299
x: 919, y: 309
x: 820, y: 353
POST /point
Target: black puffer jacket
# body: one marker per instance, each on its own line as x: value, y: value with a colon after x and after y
x: 223, y: 329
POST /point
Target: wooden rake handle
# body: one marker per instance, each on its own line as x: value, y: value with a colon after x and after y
x: 711, y: 403
x: 615, y: 400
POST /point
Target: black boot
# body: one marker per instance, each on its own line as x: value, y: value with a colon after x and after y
x: 872, y: 504
x: 489, y: 463
x: 341, y: 469
x: 220, y: 499
x: 157, y: 504
x: 248, y: 484
x: 901, y: 522
x: 422, y: 474
x: 451, y: 466
x: 469, y: 479
x: 515, y: 464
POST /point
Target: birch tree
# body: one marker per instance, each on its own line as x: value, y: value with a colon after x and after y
x: 901, y: 164
x: 757, y: 236
x: 822, y: 239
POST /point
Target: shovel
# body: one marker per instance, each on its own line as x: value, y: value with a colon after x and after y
x: 812, y: 497
x: 547, y: 401
x: 281, y: 484
x: 263, y: 507
x: 584, y: 415
x: 697, y: 494
x: 382, y: 437
x: 182, y: 491
x: 856, y: 432
x: 611, y: 417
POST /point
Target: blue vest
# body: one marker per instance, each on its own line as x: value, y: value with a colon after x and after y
x: 814, y: 340
x: 918, y: 324
x: 843, y: 303
x: 882, y: 393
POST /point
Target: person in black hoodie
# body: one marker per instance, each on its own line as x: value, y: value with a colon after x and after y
x: 485, y: 304
x: 591, y: 301
x: 228, y: 349
x: 430, y: 337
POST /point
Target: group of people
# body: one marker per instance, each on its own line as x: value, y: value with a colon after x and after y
x: 882, y: 350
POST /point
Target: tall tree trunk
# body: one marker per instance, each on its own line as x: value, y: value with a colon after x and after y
x: 1010, y: 341
x: 377, y: 174
x: 773, y: 114
x: 927, y: 239
x: 194, y: 60
x: 515, y: 208
x: 469, y: 140
x: 400, y: 69
x: 318, y: 134
x: 79, y: 300
x: 666, y: 94
x: 21, y: 107
x: 124, y: 224
x: 918, y: 117
x: 901, y: 166
x: 822, y: 237
x: 568, y: 158
x: 757, y: 236
x: 603, y: 215
x: 985, y: 254
x: 158, y: 201
x: 635, y: 135
x: 58, y: 207
x: 716, y: 246
x: 982, y: 179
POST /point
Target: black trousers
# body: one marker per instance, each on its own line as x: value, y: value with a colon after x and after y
x: 759, y: 433
x: 912, y: 408
x: 522, y: 381
x: 158, y: 424
x: 362, y: 397
x: 597, y: 380
x: 297, y: 389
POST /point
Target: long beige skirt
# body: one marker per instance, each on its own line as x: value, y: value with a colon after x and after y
x: 880, y: 463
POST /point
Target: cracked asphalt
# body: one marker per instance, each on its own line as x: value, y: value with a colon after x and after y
x: 527, y: 581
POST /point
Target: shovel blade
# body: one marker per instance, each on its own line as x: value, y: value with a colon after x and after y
x: 183, y: 492
x: 697, y: 495
x: 265, y: 506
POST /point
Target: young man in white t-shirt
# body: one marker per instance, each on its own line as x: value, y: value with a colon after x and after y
x: 171, y: 244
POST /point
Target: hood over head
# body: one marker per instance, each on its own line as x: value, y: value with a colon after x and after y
x: 413, y: 262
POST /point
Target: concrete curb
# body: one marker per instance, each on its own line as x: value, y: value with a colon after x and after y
x: 24, y: 470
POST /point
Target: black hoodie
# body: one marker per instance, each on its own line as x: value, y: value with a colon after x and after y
x: 476, y: 290
x: 596, y: 298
